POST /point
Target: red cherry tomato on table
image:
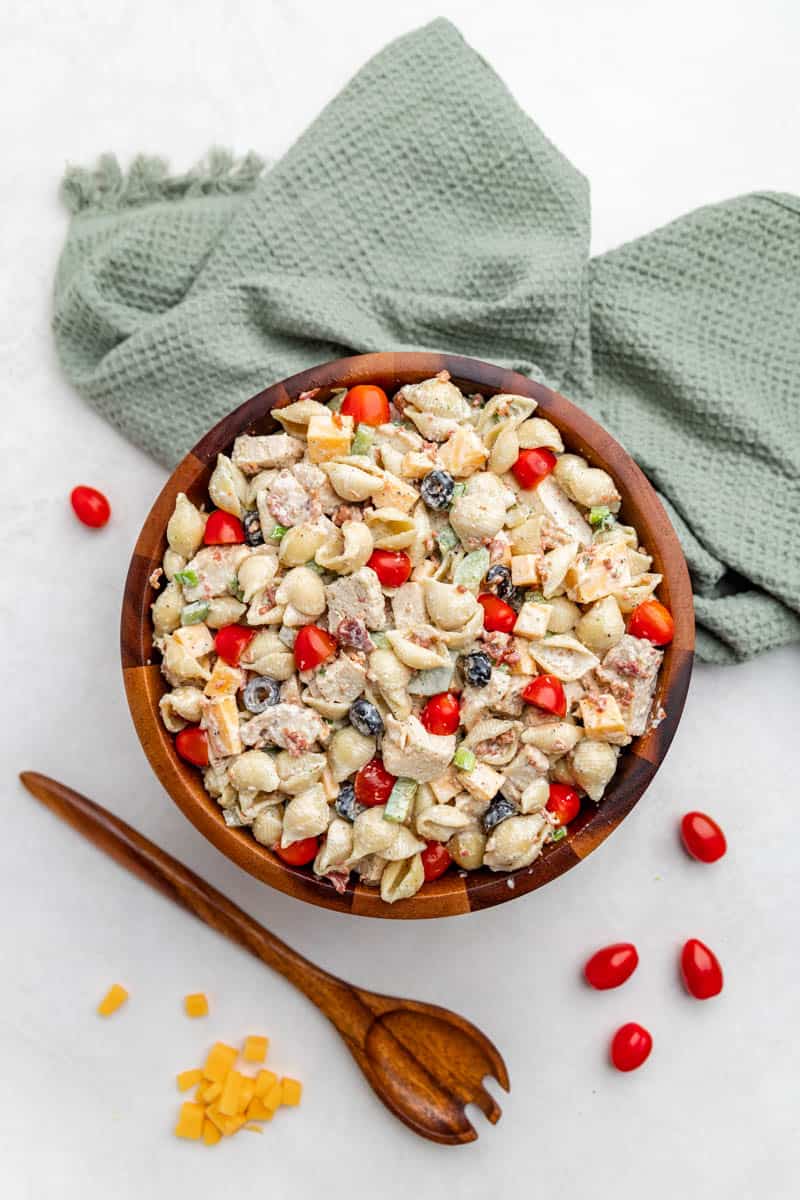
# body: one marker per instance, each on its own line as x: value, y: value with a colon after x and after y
x: 367, y: 405
x: 192, y: 745
x: 90, y: 506
x: 441, y: 714
x: 652, y: 621
x: 702, y: 837
x: 533, y: 466
x: 231, y: 642
x: 312, y: 646
x: 392, y: 567
x: 373, y: 783
x: 547, y: 693
x: 701, y: 971
x: 611, y: 966
x: 435, y: 860
x: 223, y: 529
x: 630, y: 1046
x: 564, y: 803
x: 299, y: 853
x: 498, y: 617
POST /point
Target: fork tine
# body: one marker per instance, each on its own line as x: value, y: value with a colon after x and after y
x: 487, y: 1104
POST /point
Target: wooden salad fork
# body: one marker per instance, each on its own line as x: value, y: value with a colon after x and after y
x: 424, y: 1062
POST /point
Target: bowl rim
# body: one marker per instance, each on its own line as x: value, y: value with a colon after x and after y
x: 455, y: 892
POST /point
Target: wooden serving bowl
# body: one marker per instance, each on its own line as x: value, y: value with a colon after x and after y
x: 455, y: 892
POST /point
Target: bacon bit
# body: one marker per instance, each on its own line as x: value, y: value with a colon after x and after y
x: 338, y: 880
x: 155, y: 578
x: 297, y: 743
x: 500, y: 647
x: 347, y: 512
x: 421, y: 639
x: 352, y: 631
x: 309, y: 395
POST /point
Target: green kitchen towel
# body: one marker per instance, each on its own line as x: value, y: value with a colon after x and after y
x: 424, y: 210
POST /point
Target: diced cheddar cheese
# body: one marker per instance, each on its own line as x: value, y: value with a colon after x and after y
x: 273, y: 1097
x: 225, y: 1124
x: 599, y: 570
x: 446, y: 786
x: 532, y: 620
x: 211, y: 1135
x: 329, y: 436
x: 219, y: 1062
x: 211, y: 1092
x: 482, y: 782
x: 190, y: 1121
x: 463, y: 453
x: 329, y: 784
x: 523, y: 663
x: 524, y: 569
x: 225, y: 680
x: 265, y: 1081
x: 602, y: 719
x: 187, y: 1079
x: 221, y: 723
x: 291, y: 1092
x: 258, y: 1111
x: 252, y: 1129
x: 229, y: 1103
x: 195, y: 639
x: 196, y: 1005
x: 396, y: 494
x: 114, y: 998
x: 246, y: 1092
x: 255, y: 1049
x: 416, y: 464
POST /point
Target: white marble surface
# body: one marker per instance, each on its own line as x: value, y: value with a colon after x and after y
x: 664, y: 108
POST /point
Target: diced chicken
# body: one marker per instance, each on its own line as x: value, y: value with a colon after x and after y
x: 629, y: 671
x: 339, y: 682
x: 502, y: 694
x: 550, y: 498
x: 317, y: 485
x: 357, y: 595
x: 287, y: 502
x: 215, y: 568
x: 408, y: 606
x: 482, y: 781
x: 291, y: 726
x: 409, y: 750
x: 253, y: 454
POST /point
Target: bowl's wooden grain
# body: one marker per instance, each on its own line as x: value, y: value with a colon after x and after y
x: 452, y: 894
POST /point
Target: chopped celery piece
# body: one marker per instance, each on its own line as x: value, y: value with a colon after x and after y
x: 380, y: 639
x: 277, y: 532
x: 187, y: 577
x: 362, y: 442
x: 558, y: 834
x: 464, y: 759
x: 235, y: 589
x: 458, y: 490
x: 533, y: 597
x: 433, y: 681
x: 471, y: 570
x: 314, y: 566
x: 335, y: 401
x: 401, y: 797
x: 601, y: 517
x: 446, y: 539
x: 194, y: 613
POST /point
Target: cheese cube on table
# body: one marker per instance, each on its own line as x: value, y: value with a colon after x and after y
x: 482, y: 782
x: 329, y: 436
x: 602, y: 719
x: 532, y: 620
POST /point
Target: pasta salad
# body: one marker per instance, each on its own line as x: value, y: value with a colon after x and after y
x: 406, y: 635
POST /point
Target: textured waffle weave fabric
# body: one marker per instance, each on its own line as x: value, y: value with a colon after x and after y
x: 461, y: 229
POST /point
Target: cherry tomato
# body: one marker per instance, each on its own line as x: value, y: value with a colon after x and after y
x: 547, y: 692
x: 223, y: 529
x: 392, y: 567
x: 651, y: 620
x: 231, y: 642
x: 498, y: 617
x: 564, y: 803
x: 299, y: 853
x: 702, y: 837
x: 373, y: 783
x: 435, y: 860
x: 367, y: 405
x: 611, y: 966
x: 90, y: 506
x: 533, y: 465
x: 630, y: 1046
x: 701, y: 971
x: 192, y: 745
x: 312, y: 646
x: 441, y: 713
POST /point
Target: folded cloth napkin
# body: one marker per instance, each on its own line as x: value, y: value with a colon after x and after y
x: 424, y: 210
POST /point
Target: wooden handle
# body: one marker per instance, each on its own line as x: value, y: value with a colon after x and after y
x: 340, y: 1002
